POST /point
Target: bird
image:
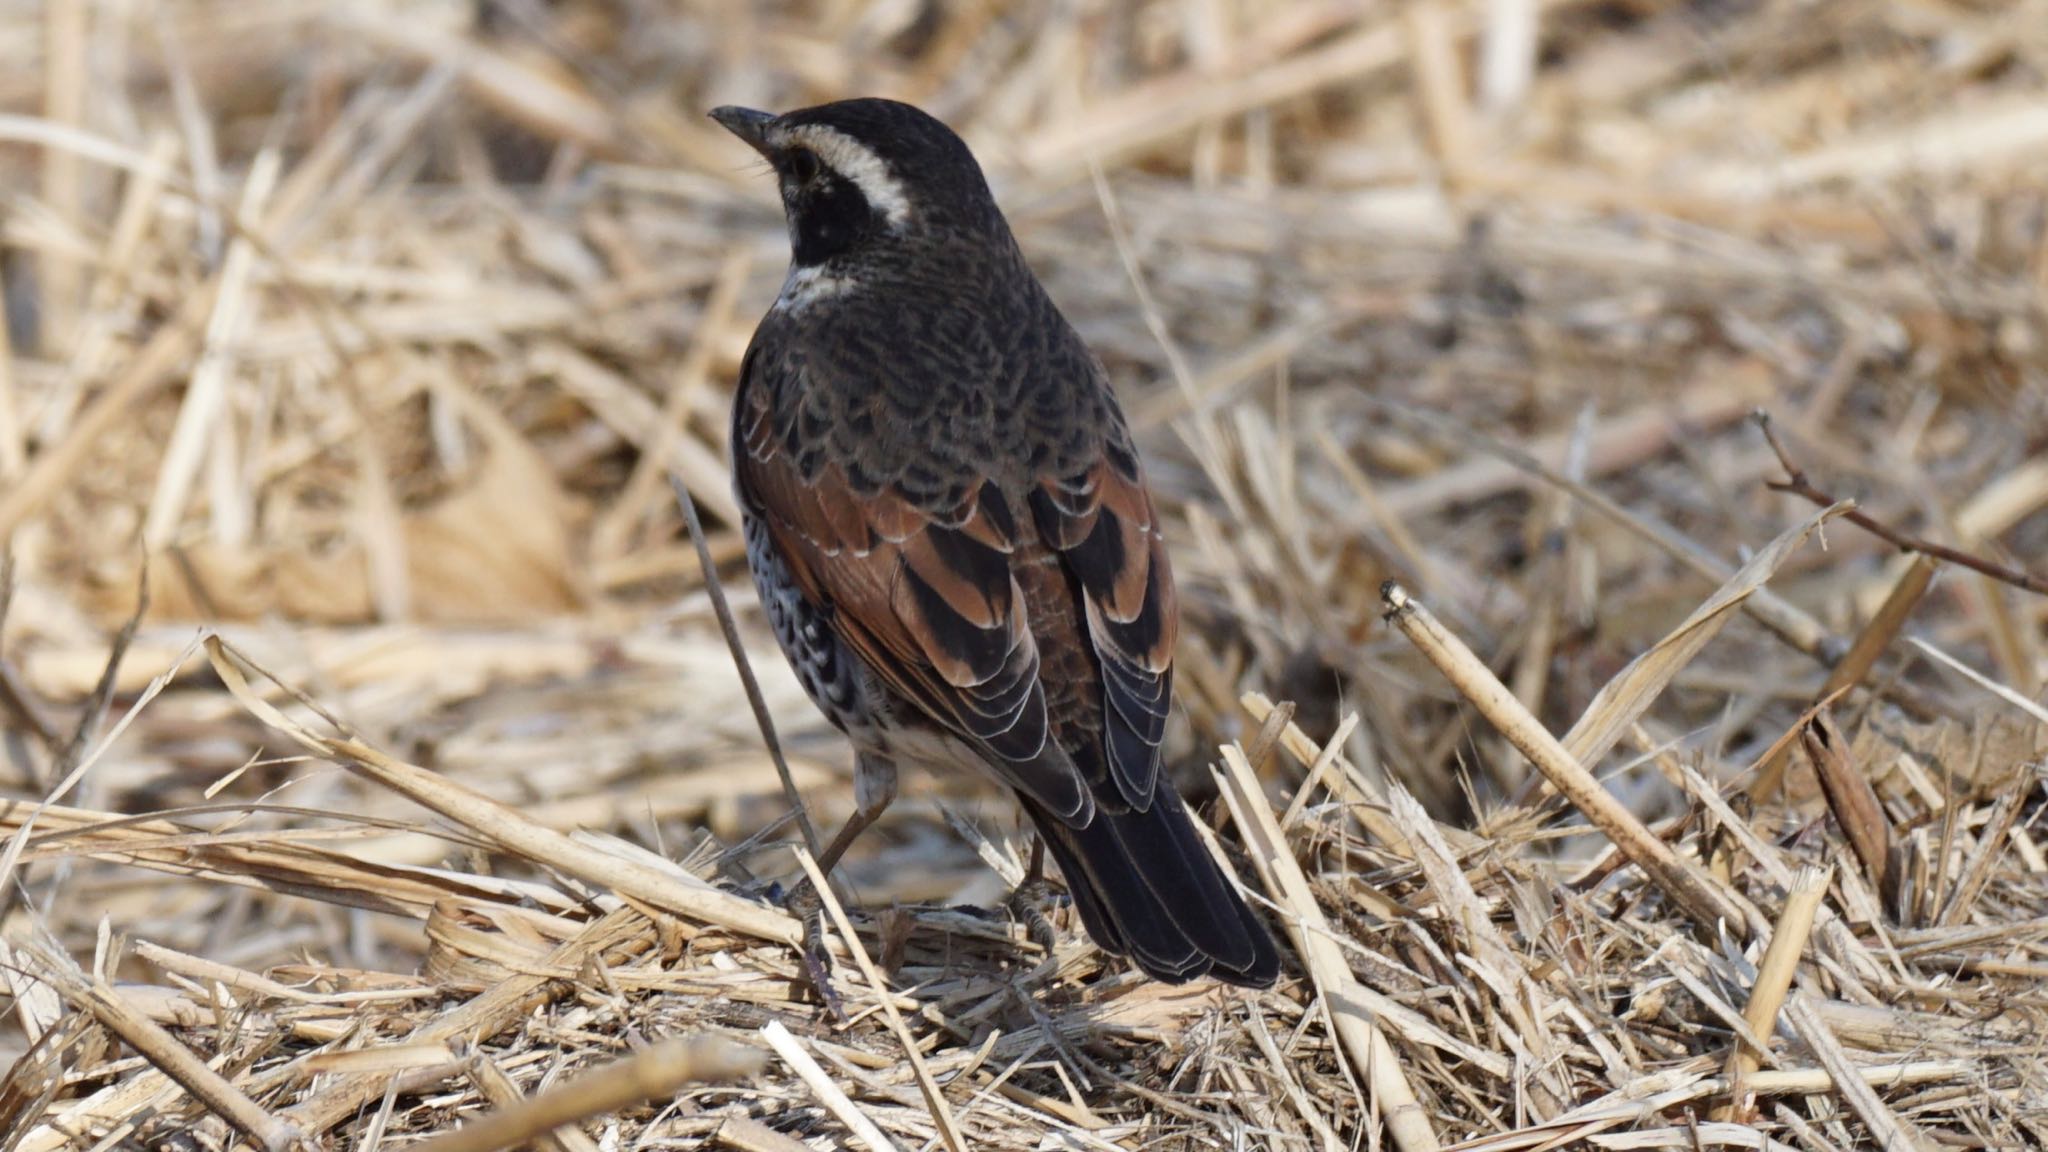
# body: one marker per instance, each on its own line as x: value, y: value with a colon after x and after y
x: 948, y: 525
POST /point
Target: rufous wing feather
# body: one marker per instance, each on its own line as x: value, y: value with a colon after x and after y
x: 1106, y: 532
x: 930, y: 603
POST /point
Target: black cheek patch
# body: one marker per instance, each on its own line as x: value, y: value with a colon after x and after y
x: 829, y: 219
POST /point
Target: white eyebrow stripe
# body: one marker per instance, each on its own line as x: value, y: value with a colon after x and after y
x: 856, y: 162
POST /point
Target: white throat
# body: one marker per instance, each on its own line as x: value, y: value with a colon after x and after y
x: 808, y: 284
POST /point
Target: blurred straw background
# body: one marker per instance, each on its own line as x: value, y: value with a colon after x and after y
x: 418, y: 785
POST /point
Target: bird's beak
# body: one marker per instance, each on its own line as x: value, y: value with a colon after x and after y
x: 747, y: 124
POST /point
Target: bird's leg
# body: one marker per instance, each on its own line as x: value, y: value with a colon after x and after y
x: 874, y: 789
x: 1028, y: 903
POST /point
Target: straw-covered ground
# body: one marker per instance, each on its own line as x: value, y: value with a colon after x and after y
x: 423, y: 794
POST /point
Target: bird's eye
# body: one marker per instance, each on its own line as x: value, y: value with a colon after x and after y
x: 803, y: 165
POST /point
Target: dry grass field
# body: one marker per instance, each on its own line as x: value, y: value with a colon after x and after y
x: 1624, y: 770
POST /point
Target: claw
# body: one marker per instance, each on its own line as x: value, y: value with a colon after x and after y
x: 1029, y: 904
x: 802, y: 902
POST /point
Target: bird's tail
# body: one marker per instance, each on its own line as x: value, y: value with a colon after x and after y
x: 1146, y: 887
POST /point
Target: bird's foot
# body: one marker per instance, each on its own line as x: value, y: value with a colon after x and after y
x: 802, y: 901
x: 1033, y: 905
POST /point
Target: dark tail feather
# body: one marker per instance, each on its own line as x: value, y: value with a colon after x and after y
x: 1147, y: 888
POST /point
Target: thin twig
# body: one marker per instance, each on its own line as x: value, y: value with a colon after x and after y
x: 16, y: 699
x: 96, y: 708
x: 731, y: 629
x: 70, y: 763
x: 1797, y: 484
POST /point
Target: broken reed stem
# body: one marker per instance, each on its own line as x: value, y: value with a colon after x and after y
x: 163, y: 1050
x: 731, y: 630
x: 1801, y: 1081
x: 1774, y: 979
x: 1857, y: 662
x: 1268, y: 738
x: 1682, y: 881
x: 1797, y: 484
x: 1877, y: 635
x: 653, y: 1074
x: 506, y: 826
x: 1361, y: 801
x: 1312, y: 783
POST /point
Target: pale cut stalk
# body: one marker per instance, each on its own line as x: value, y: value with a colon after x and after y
x: 934, y: 1099
x: 813, y: 1075
x: 1360, y: 1036
x: 1774, y: 979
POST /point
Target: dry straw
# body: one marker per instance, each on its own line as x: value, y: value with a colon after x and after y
x: 1675, y: 804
